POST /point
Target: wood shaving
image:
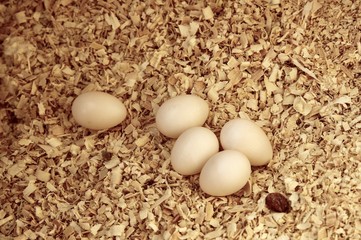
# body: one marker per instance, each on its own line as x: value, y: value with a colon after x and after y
x: 291, y: 66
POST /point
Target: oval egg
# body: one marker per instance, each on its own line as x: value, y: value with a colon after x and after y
x: 225, y: 173
x: 98, y: 110
x: 247, y: 137
x: 178, y: 114
x: 192, y: 149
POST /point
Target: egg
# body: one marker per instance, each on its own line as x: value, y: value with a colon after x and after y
x: 98, y: 110
x: 192, y: 149
x: 247, y: 137
x: 180, y: 113
x: 225, y: 173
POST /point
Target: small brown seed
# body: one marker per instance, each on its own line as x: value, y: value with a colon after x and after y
x: 278, y: 202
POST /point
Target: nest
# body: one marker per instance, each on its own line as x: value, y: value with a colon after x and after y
x: 291, y: 66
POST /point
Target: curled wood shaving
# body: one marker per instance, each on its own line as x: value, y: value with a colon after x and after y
x: 31, y: 187
x: 234, y: 76
x: 267, y: 61
x: 301, y: 106
x: 302, y: 68
x: 16, y: 169
x: 188, y: 30
x: 116, y: 230
x: 311, y: 8
x: 207, y: 13
x: 257, y: 75
x: 112, y: 163
x: 167, y: 194
x: 112, y: 20
x: 42, y: 175
x: 140, y: 142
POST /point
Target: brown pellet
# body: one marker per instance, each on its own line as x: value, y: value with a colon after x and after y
x: 278, y: 202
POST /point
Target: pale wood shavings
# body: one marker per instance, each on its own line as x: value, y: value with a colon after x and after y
x: 304, y: 69
x: 30, y: 188
x: 301, y: 106
x: 208, y: 13
x: 42, y: 175
x: 112, y: 20
x: 6, y: 220
x: 291, y: 66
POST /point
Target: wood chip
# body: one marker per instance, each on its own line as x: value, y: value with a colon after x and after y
x: 112, y: 163
x: 42, y: 175
x: 257, y: 75
x: 301, y: 106
x: 112, y: 20
x: 30, y: 188
x: 20, y: 17
x: 116, y: 231
x: 302, y: 68
x: 207, y: 13
x: 6, y: 220
x: 140, y: 142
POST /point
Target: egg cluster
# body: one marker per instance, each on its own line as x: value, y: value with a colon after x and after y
x: 196, y: 149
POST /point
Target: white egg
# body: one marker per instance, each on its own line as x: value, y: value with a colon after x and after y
x: 225, y: 173
x: 178, y: 114
x: 192, y: 149
x: 247, y: 137
x: 98, y: 110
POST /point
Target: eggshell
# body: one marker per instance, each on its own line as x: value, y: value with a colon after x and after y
x: 180, y: 113
x: 98, y: 110
x: 192, y: 149
x: 225, y: 173
x: 247, y: 137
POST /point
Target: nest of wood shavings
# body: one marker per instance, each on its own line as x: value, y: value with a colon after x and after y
x: 291, y: 66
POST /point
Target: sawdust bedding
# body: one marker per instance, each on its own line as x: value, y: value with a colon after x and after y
x: 292, y: 66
